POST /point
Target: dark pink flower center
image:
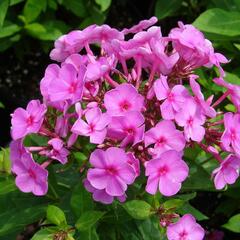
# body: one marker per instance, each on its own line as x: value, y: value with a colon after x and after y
x: 32, y: 174
x: 125, y: 105
x: 55, y: 152
x: 130, y: 130
x: 233, y: 134
x: 162, y: 170
x: 190, y: 121
x: 170, y: 97
x: 30, y: 120
x: 112, y: 170
x: 161, y: 141
x: 72, y: 88
x: 183, y: 235
x: 91, y: 127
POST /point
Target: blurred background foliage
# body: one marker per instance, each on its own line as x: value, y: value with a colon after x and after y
x: 27, y: 31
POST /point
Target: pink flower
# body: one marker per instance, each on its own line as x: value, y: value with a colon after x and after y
x: 111, y: 171
x: 29, y: 120
x: 185, y: 229
x: 205, y: 106
x: 128, y: 128
x: 77, y: 61
x: 165, y: 137
x: 90, y: 89
x: 232, y: 90
x: 75, y: 41
x: 31, y: 177
x: 191, y: 119
x: 174, y: 98
x: 68, y: 85
x: 231, y: 136
x: 227, y: 173
x: 58, y: 151
x: 122, y: 99
x: 101, y: 195
x: 17, y: 150
x: 192, y: 46
x: 62, y: 125
x: 166, y: 173
x: 71, y: 43
x: 161, y: 62
x: 134, y: 162
x: 98, y: 68
x: 95, y: 127
x: 144, y: 24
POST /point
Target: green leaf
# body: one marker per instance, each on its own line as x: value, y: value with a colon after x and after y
x: 2, y: 105
x: 138, y: 209
x: 149, y: 229
x: 232, y: 78
x: 6, y: 163
x: 230, y: 108
x: 52, y: 4
x: 88, y: 219
x: 91, y: 234
x: 78, y: 7
x: 56, y: 216
x: 7, y: 186
x: 14, y: 2
x: 45, y: 234
x: 81, y: 200
x: 165, y: 8
x: 237, y: 45
x: 187, y: 197
x: 219, y: 21
x: 104, y: 4
x: 35, y: 140
x: 33, y: 8
x: 43, y: 32
x: 12, y: 220
x: 3, y: 10
x: 173, y: 204
x: 9, y: 30
x: 229, y: 5
x: 187, y: 208
x: 192, y: 182
x: 233, y: 224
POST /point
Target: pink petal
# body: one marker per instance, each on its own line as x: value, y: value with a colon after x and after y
x: 40, y: 189
x: 152, y: 184
x: 219, y: 181
x: 161, y: 88
x: 93, y: 115
x: 230, y: 175
x: 197, y: 233
x: 197, y: 133
x: 97, y: 137
x: 152, y: 166
x: 98, y: 178
x: 103, y: 121
x: 25, y: 183
x: 116, y: 156
x: 98, y: 159
x: 102, y: 196
x: 167, y: 187
x: 80, y: 127
x: 115, y: 186
x: 167, y: 110
x: 127, y: 173
x: 178, y: 172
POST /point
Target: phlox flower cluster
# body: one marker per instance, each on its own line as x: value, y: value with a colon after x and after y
x: 135, y: 95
